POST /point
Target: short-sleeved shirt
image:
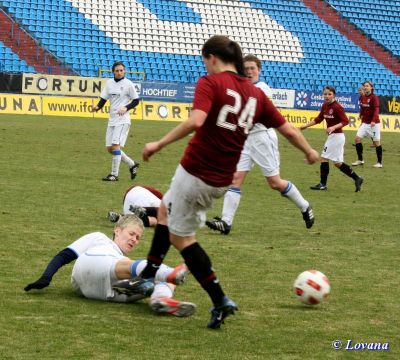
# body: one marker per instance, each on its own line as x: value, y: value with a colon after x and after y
x: 369, y: 108
x: 232, y: 104
x: 333, y: 113
x: 120, y: 93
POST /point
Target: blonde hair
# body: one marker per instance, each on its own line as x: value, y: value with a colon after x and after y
x: 129, y: 219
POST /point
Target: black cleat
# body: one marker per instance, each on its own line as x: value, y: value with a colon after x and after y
x: 219, y: 225
x: 308, y: 217
x: 139, y: 211
x: 113, y: 216
x: 219, y: 313
x: 358, y: 183
x: 133, y: 170
x: 319, y: 187
x: 110, y: 177
x: 134, y: 286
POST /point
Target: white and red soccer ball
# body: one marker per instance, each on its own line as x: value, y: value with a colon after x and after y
x: 311, y: 287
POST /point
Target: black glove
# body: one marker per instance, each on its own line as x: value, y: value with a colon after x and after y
x: 41, y: 283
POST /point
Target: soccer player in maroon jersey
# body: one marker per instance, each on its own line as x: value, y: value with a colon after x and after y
x: 333, y: 113
x: 224, y: 108
x: 370, y: 124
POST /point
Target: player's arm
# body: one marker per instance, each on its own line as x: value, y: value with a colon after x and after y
x: 296, y: 138
x: 99, y: 105
x: 128, y: 107
x: 64, y: 257
x: 195, y: 121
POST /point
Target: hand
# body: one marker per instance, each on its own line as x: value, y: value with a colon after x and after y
x: 122, y: 111
x: 312, y: 157
x: 95, y: 109
x: 303, y: 127
x: 372, y: 124
x: 38, y: 284
x: 149, y: 149
x: 330, y: 130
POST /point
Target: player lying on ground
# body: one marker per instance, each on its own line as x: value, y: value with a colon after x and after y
x: 142, y: 201
x: 103, y: 272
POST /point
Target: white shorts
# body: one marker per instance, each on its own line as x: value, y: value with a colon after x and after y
x: 366, y: 130
x: 187, y: 200
x: 334, y: 148
x: 93, y: 275
x: 117, y: 134
x: 261, y: 148
x: 140, y: 196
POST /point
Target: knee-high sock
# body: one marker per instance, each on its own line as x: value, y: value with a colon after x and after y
x: 359, y: 149
x: 199, y: 265
x: 231, y: 204
x: 378, y: 150
x: 324, y: 169
x: 346, y: 169
x: 126, y: 159
x: 115, y: 162
x: 293, y: 194
x: 159, y: 248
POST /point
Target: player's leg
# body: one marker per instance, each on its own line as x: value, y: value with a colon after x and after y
x: 324, y: 172
x: 347, y: 170
x: 376, y: 138
x: 109, y: 146
x: 162, y: 301
x: 122, y: 132
x: 361, y: 132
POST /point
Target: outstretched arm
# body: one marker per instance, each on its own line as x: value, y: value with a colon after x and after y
x: 62, y: 258
x: 195, y: 121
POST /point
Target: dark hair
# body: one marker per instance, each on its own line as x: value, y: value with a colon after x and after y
x: 330, y: 88
x: 254, y: 59
x: 226, y: 49
x: 117, y: 63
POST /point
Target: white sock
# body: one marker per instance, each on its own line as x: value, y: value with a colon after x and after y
x: 231, y: 204
x: 293, y: 194
x: 161, y: 290
x: 161, y: 275
x: 126, y: 159
x: 116, y: 161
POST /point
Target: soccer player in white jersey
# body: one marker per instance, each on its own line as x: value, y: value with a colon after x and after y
x: 102, y: 271
x: 123, y: 97
x: 261, y: 147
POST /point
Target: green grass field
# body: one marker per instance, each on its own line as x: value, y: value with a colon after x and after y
x: 52, y: 193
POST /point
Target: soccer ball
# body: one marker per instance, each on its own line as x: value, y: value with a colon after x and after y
x: 311, y: 287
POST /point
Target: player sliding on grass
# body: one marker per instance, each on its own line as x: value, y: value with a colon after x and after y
x: 102, y: 271
x: 261, y: 147
x: 224, y: 108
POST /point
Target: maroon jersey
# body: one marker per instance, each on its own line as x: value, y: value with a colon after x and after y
x: 232, y: 105
x: 333, y: 114
x: 369, y: 108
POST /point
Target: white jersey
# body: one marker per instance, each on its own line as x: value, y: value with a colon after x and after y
x: 94, y: 271
x: 120, y: 93
x: 267, y: 91
x: 88, y: 241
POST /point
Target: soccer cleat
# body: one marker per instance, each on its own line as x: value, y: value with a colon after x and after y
x: 172, y: 306
x: 358, y: 183
x: 308, y: 217
x: 133, y: 170
x: 319, y: 187
x: 139, y: 211
x: 219, y: 313
x: 113, y: 216
x: 378, y: 165
x: 219, y: 225
x: 358, y: 162
x: 110, y: 177
x: 134, y: 286
x: 178, y: 275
